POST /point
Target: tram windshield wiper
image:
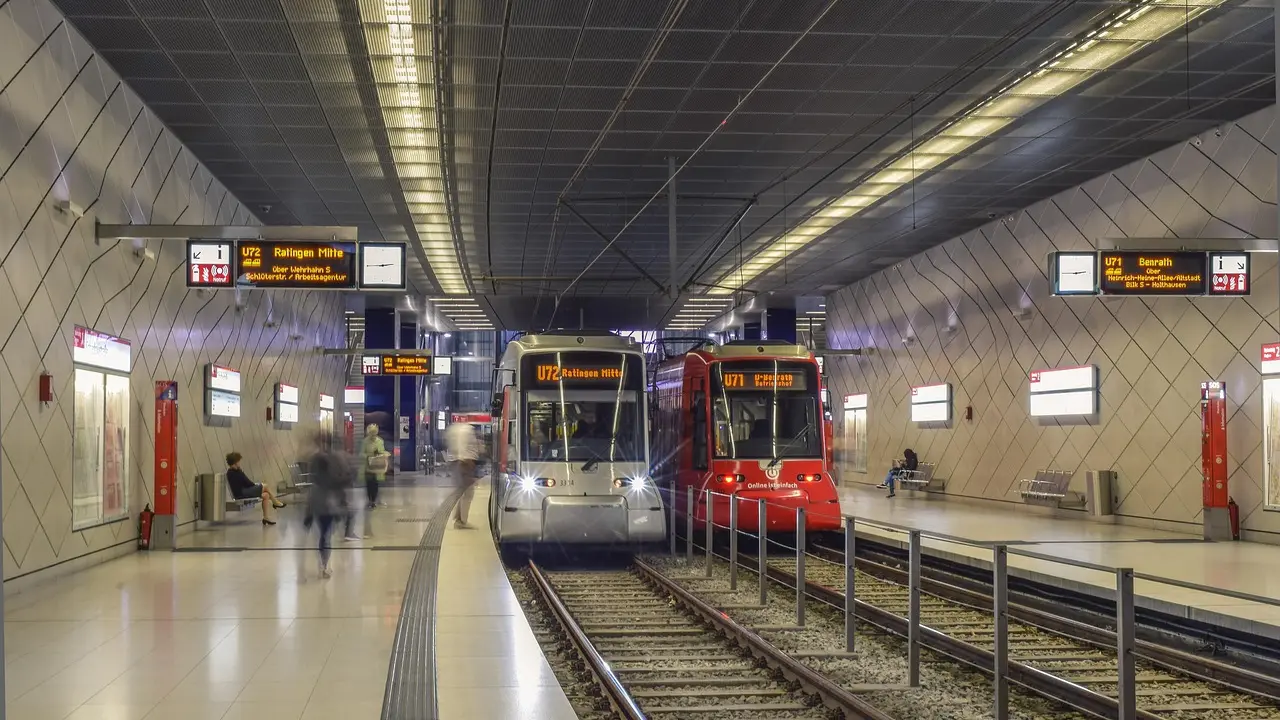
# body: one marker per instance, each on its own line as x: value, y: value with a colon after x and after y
x: 778, y: 458
x: 590, y: 464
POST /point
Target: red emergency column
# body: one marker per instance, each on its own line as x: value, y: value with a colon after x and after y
x: 1213, y: 460
x: 164, y: 525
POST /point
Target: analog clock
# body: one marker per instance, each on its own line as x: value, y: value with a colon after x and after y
x: 382, y: 266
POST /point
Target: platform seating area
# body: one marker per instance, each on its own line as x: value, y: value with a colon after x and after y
x: 922, y: 478
x: 1051, y: 488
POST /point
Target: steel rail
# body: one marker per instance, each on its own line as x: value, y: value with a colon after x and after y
x: 1035, y: 680
x: 1235, y: 678
x: 617, y: 695
x: 811, y: 680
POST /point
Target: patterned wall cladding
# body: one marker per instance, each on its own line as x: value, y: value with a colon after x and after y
x: 976, y: 312
x: 70, y: 130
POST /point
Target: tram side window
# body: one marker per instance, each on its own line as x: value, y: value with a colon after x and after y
x: 699, y: 431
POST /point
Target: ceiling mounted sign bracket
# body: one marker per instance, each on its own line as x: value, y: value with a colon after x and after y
x: 225, y: 232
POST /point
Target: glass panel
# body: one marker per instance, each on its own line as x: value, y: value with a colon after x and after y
x: 86, y: 449
x: 860, y: 440
x: 584, y: 426
x: 1271, y: 446
x: 115, y: 450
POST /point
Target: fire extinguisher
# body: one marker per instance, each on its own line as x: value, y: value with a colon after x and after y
x: 1233, y: 512
x: 144, y: 527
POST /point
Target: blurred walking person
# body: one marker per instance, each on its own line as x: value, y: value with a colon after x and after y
x: 464, y: 447
x: 326, y: 500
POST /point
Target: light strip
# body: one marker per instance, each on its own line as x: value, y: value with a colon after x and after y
x: 1126, y: 34
x: 410, y: 104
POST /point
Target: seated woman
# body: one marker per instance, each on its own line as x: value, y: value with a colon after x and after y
x: 242, y: 488
x: 908, y: 462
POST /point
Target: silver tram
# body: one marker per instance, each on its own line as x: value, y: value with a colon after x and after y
x: 570, y: 444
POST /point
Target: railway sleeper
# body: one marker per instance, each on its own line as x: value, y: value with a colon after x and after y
x: 618, y: 659
x: 731, y: 692
x: 754, y: 708
x: 722, y: 681
x: 694, y: 670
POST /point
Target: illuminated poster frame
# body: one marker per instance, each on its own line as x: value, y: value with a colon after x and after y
x: 931, y: 404
x: 1063, y: 392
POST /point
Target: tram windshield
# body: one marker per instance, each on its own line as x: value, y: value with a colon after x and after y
x: 584, y: 407
x: 766, y: 409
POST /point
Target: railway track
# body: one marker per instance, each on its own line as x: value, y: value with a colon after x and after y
x: 1058, y: 658
x: 657, y: 651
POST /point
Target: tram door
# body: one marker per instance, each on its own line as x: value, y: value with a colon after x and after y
x: 853, y: 434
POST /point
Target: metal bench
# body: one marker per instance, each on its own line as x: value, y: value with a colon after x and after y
x: 922, y: 478
x: 1051, y: 488
x: 298, y: 481
x: 235, y: 503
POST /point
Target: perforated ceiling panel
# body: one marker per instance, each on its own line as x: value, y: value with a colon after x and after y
x: 550, y: 129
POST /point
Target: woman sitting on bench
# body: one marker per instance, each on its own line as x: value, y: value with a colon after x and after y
x: 242, y: 488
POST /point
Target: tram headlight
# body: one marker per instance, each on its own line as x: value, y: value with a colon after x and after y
x: 532, y: 483
x: 528, y: 483
x: 634, y: 483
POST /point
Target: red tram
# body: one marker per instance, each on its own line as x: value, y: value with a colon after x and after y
x: 746, y: 419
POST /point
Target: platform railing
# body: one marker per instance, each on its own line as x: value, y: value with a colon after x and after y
x: 1123, y: 587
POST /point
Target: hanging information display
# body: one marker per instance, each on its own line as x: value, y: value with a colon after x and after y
x: 1176, y: 273
x: 296, y: 264
x: 1127, y: 272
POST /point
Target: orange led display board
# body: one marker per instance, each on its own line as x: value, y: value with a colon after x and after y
x: 296, y: 264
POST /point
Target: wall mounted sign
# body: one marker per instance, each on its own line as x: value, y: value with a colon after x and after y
x: 1071, y: 391
x: 100, y: 350
x: 931, y: 403
x: 296, y: 264
x: 855, y: 402
x: 222, y: 404
x: 371, y: 365
x: 382, y: 266
x: 286, y: 413
x: 286, y: 393
x: 1229, y: 273
x: 219, y: 377
x: 210, y: 263
x: 1270, y: 364
x: 326, y: 402
x: 353, y: 396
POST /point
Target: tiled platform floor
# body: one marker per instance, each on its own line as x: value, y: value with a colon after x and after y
x: 221, y: 635
x: 1238, y: 566
x: 488, y: 663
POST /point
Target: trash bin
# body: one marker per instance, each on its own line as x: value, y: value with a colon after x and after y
x: 213, y: 496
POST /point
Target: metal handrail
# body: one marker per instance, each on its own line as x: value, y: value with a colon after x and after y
x: 618, y: 695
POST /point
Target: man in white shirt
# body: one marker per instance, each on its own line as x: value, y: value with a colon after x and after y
x: 461, y: 439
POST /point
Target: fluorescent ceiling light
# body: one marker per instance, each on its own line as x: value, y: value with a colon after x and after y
x: 408, y: 102
x: 1116, y: 40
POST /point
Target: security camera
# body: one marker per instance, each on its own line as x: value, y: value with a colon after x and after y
x: 264, y: 209
x: 1197, y: 141
x: 66, y: 207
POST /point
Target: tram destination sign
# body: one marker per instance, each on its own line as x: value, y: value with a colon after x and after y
x: 296, y: 264
x: 1129, y: 272
x: 764, y: 380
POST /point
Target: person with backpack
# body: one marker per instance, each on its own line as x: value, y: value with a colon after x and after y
x: 908, y: 463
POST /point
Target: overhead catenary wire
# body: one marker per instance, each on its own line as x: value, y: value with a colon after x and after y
x: 697, y: 150
x: 493, y: 138
x: 946, y: 83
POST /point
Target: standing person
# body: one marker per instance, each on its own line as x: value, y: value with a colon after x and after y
x: 374, y: 458
x: 242, y: 488
x: 463, y: 446
x: 326, y: 500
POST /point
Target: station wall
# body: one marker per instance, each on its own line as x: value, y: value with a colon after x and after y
x: 69, y: 129
x: 980, y: 312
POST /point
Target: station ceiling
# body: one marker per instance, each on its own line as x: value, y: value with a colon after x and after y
x: 522, y: 147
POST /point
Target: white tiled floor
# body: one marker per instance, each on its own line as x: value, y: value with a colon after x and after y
x: 1237, y: 566
x: 488, y: 663
x: 223, y: 635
